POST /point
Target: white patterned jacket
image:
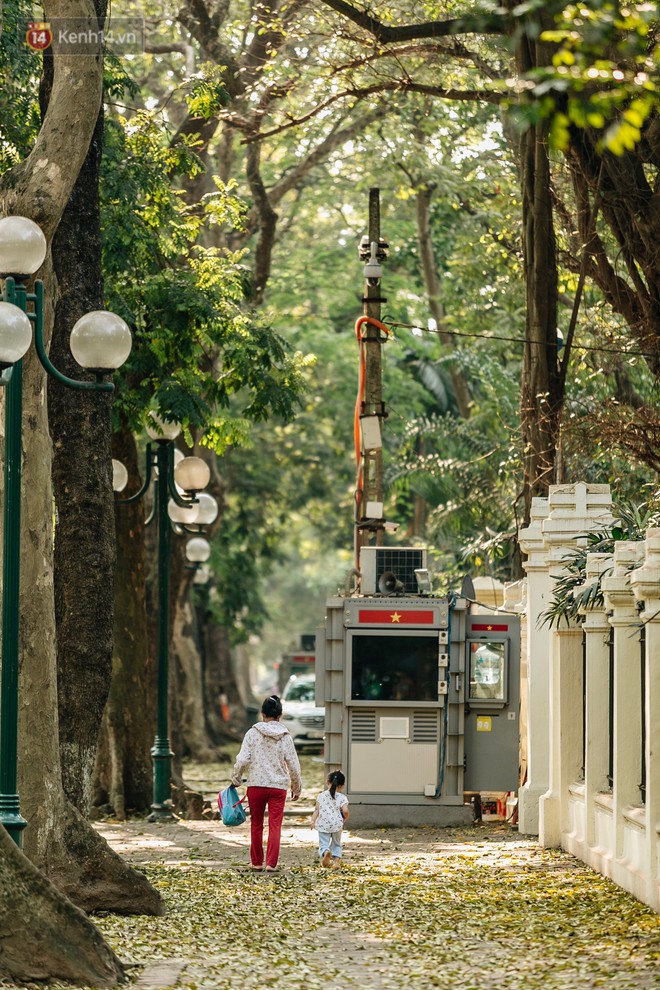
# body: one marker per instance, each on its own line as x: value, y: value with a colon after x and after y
x: 270, y: 758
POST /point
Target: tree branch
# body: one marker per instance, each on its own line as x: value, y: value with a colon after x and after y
x: 39, y: 187
x: 321, y: 152
x: 395, y: 85
x: 484, y: 23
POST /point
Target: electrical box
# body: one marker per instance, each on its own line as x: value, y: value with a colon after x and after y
x: 421, y: 702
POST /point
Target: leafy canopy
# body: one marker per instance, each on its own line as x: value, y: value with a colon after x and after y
x: 199, y: 355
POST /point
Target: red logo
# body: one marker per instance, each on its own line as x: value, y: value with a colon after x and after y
x: 39, y: 35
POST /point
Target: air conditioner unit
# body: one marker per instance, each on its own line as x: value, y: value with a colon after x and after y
x: 398, y: 561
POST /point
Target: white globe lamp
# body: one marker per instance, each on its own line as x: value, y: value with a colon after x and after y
x: 22, y: 246
x: 198, y: 550
x: 161, y: 429
x: 192, y: 474
x: 15, y: 334
x: 185, y: 515
x: 119, y: 476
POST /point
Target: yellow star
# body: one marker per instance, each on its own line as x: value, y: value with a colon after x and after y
x: 395, y: 617
x: 489, y: 628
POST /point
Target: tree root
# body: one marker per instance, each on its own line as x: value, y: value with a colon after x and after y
x: 44, y: 936
x: 85, y: 869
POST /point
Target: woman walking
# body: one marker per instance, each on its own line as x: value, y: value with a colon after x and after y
x: 272, y: 765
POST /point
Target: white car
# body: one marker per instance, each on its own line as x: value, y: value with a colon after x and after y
x: 300, y: 713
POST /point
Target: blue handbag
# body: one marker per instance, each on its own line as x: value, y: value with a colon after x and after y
x: 230, y: 806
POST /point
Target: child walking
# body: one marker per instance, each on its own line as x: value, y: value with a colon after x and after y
x: 330, y: 813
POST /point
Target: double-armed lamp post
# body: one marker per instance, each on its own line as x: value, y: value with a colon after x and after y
x: 179, y: 504
x: 100, y: 343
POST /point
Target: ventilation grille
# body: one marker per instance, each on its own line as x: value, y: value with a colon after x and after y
x: 400, y: 561
x: 425, y: 727
x: 363, y: 726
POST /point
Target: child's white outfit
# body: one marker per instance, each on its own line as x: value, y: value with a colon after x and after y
x: 330, y: 822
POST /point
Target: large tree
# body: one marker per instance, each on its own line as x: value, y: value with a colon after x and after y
x: 40, y: 187
x: 614, y: 189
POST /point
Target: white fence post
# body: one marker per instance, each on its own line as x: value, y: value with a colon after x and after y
x: 537, y: 749
x: 645, y: 581
x: 575, y: 511
x: 620, y: 600
x: 597, y: 731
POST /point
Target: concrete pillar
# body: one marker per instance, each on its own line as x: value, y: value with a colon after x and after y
x: 515, y: 600
x: 620, y: 600
x: 489, y: 593
x: 596, y: 745
x: 645, y: 582
x: 574, y: 511
x: 537, y: 646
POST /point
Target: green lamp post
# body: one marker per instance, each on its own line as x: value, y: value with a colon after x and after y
x: 100, y: 342
x: 176, y: 502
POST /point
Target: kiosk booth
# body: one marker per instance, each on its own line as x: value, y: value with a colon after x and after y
x: 421, y: 696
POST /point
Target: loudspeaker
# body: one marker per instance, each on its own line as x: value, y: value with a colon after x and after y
x: 389, y: 584
x: 401, y: 561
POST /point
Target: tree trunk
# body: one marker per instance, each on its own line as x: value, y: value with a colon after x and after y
x: 57, y: 840
x: 220, y: 679
x: 84, y: 562
x: 124, y: 771
x: 189, y: 732
x: 433, y: 292
x: 81, y: 428
x: 541, y: 392
x: 48, y: 938
x: 40, y: 188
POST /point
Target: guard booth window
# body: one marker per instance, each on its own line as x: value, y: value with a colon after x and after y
x: 394, y: 668
x: 487, y: 671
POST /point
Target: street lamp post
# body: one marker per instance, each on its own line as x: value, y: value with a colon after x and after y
x: 176, y: 501
x: 100, y: 342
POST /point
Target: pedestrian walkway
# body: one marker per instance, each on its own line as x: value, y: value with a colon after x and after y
x: 464, y: 909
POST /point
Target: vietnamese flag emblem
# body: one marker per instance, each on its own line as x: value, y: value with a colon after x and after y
x: 397, y: 616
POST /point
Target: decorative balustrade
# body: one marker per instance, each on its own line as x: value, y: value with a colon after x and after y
x: 593, y: 761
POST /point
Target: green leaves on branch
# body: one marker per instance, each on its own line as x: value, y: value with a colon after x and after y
x: 603, y: 74
x: 208, y: 92
x: 20, y: 70
x: 571, y: 594
x: 200, y: 355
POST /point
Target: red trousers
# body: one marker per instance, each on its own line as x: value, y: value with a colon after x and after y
x: 260, y: 798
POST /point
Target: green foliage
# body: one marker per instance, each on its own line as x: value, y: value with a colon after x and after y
x: 603, y: 74
x: 208, y: 92
x: 571, y: 595
x: 199, y: 355
x: 467, y: 472
x: 20, y: 68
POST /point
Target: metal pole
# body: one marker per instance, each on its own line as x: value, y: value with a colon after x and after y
x: 10, y: 815
x: 161, y: 751
x: 372, y: 405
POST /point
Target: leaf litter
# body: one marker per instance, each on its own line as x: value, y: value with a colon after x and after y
x: 465, y: 908
x: 438, y: 912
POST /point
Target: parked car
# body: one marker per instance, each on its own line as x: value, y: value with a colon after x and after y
x: 300, y: 713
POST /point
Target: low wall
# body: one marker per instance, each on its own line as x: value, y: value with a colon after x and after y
x: 593, y: 784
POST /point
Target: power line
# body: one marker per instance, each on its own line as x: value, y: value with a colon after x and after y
x: 513, y: 340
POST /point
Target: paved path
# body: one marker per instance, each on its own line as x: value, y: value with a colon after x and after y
x: 462, y: 909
